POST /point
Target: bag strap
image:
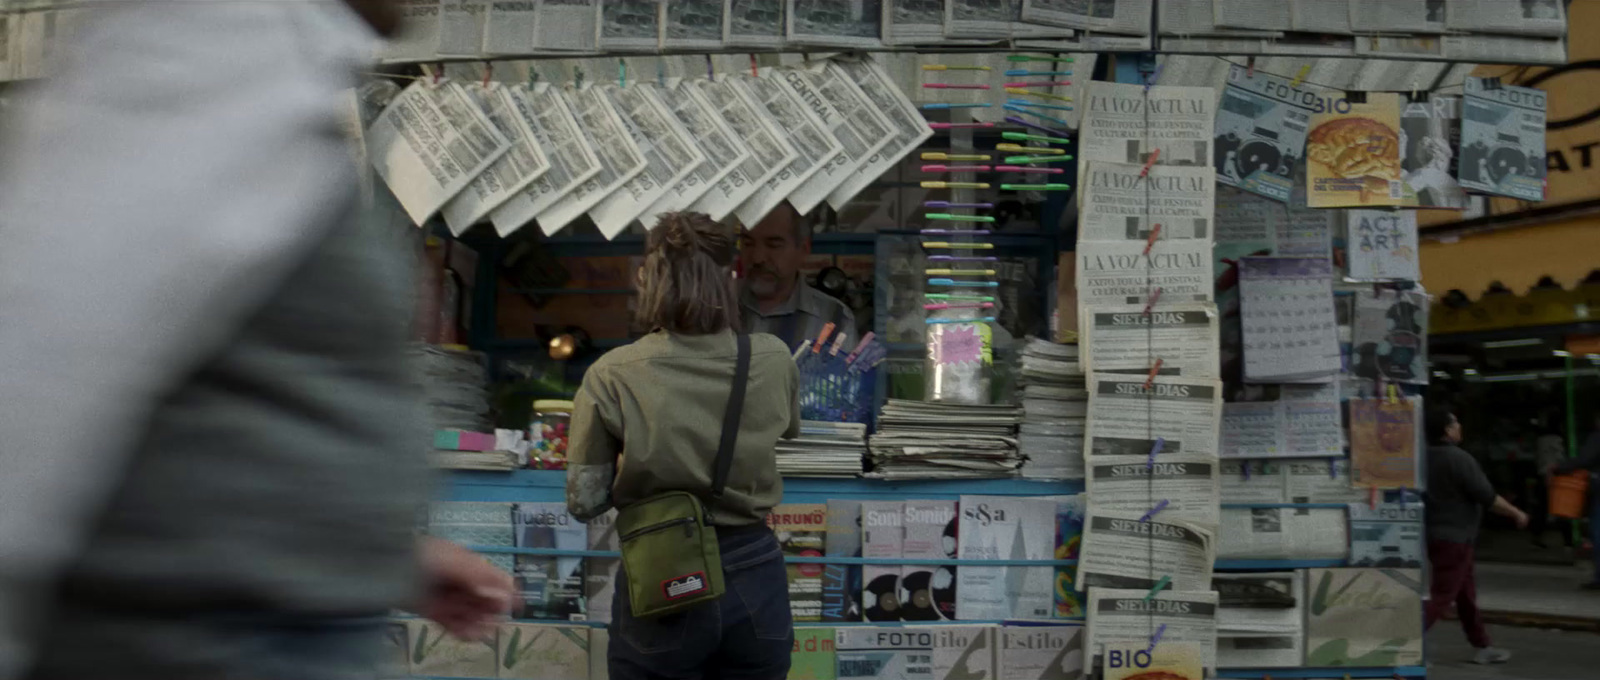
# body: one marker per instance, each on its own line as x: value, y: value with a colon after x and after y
x: 730, y: 418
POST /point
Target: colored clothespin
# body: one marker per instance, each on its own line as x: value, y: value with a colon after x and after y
x: 754, y: 72
x: 955, y: 185
x: 1022, y: 169
x: 622, y: 72
x: 1244, y: 470
x: 941, y: 156
x: 850, y: 358
x: 1394, y: 393
x: 661, y: 73
x: 951, y: 86
x: 1025, y: 137
x: 1372, y: 497
x: 947, y: 204
x: 1151, y: 461
x: 1153, y: 511
x: 1040, y: 83
x: 1156, y: 639
x: 953, y: 126
x: 1023, y: 110
x: 1153, y: 77
x: 1154, y: 156
x: 822, y: 337
x: 1154, y: 296
x: 1034, y: 126
x: 1401, y: 496
x: 951, y: 217
x: 1250, y: 68
x: 1154, y: 369
x: 488, y: 72
x: 1301, y: 76
x: 948, y: 67
x: 1333, y: 468
x: 433, y: 72
x: 955, y: 168
x: 1036, y: 187
x: 838, y: 342
x: 801, y: 350
x: 711, y: 70
x: 1018, y: 58
x: 1158, y: 587
x: 945, y: 105
x: 1150, y: 241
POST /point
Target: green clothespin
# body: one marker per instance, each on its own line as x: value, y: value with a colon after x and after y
x: 1158, y: 587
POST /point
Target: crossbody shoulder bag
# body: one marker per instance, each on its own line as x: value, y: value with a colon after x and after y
x: 669, y: 549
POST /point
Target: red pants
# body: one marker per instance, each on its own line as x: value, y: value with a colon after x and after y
x: 1454, y: 581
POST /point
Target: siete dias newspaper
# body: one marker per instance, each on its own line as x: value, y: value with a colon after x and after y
x: 1122, y: 550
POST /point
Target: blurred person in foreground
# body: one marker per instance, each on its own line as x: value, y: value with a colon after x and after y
x: 208, y: 462
x: 1588, y: 460
x: 662, y: 399
x: 1458, y: 492
x: 775, y: 298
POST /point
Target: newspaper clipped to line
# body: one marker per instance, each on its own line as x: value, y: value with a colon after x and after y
x: 429, y: 144
x: 1321, y: 481
x: 630, y: 25
x: 836, y: 100
x: 909, y: 129
x: 1261, y: 131
x: 985, y: 19
x: 1117, y: 17
x: 568, y: 25
x: 1131, y: 484
x: 752, y: 23
x: 769, y: 154
x: 461, y: 27
x: 1124, y: 124
x: 669, y: 155
x: 510, y: 27
x: 1120, y: 551
x: 911, y: 22
x: 692, y: 25
x: 1121, y: 273
x: 1502, y: 140
x: 1253, y: 481
x: 1126, y: 417
x: 1121, y: 201
x: 1124, y: 339
x: 1320, y: 16
x: 1283, y: 534
x: 815, y: 145
x: 723, y: 150
x: 418, y: 37
x: 834, y: 24
x: 519, y: 166
x: 620, y: 159
x: 1122, y: 617
x: 1527, y: 17
x: 1401, y: 16
x: 555, y: 132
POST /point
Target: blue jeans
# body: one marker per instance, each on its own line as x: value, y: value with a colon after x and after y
x: 746, y: 634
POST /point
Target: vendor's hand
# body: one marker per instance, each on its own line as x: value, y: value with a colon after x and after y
x: 465, y: 593
x: 1521, y: 519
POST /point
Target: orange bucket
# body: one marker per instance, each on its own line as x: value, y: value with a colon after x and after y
x: 1566, y: 494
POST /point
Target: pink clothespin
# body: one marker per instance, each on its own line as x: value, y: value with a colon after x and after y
x: 1145, y: 171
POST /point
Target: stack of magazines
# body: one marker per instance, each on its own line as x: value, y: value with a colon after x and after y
x: 927, y: 440
x: 823, y: 450
x: 1055, y: 403
x: 454, y: 384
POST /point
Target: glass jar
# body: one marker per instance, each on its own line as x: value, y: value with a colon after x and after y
x: 547, y: 434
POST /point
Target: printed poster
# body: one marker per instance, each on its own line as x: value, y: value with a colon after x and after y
x: 1502, y: 140
x: 1353, y: 157
x: 1363, y: 617
x: 1382, y: 246
x: 1383, y: 442
x: 1261, y: 131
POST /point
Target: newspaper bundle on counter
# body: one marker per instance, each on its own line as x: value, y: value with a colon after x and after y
x: 1054, y: 404
x: 823, y: 450
x: 926, y: 440
x: 453, y: 384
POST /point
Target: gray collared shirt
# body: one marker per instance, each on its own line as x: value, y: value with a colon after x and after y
x: 799, y: 318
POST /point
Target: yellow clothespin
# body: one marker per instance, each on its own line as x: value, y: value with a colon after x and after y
x: 1394, y: 393
x: 1301, y: 76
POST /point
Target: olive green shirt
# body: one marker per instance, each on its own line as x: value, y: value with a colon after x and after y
x: 661, y: 400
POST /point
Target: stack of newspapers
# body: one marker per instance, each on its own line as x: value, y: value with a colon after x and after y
x: 928, y: 440
x: 1055, y: 404
x: 823, y: 450
x: 454, y: 384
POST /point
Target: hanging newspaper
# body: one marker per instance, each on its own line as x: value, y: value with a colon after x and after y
x: 1127, y: 417
x: 1281, y: 429
x: 815, y: 146
x: 1321, y: 481
x: 1185, y: 18
x: 1389, y: 336
x: 1125, y: 617
x: 1187, y: 483
x: 836, y: 101
x: 829, y: 23
x: 716, y: 141
x: 1527, y: 17
x: 620, y: 159
x: 630, y: 25
x: 1502, y: 140
x: 1320, y: 16
x: 1122, y: 551
x: 979, y: 19
x: 669, y: 154
x: 461, y: 27
x: 1122, y: 273
x: 568, y: 25
x: 1125, y: 339
x: 1117, y: 17
x: 1387, y: 533
x: 1124, y: 124
x: 692, y: 25
x: 1251, y: 14
x: 521, y: 165
x: 1430, y: 131
x: 429, y: 144
x: 752, y: 23
x: 556, y: 132
x: 1261, y: 130
x: 1382, y: 245
x: 1122, y: 201
x: 1283, y: 534
x: 509, y: 27
x: 1399, y: 16
x: 912, y: 22
x: 1288, y: 318
x: 418, y: 38
x: 1252, y: 481
x: 769, y: 152
x: 908, y: 129
x: 1248, y: 224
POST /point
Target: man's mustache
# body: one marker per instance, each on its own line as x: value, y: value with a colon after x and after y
x: 762, y: 269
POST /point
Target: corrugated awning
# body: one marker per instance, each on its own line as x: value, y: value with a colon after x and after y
x: 1516, y: 258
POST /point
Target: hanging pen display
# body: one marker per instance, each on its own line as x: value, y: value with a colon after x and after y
x: 946, y: 245
x: 958, y: 272
x: 1035, y: 126
x: 949, y: 67
x: 1024, y: 92
x: 955, y: 185
x: 949, y: 217
x: 952, y: 283
x: 952, y: 86
x: 1041, y: 83
x: 1019, y: 72
x: 1025, y: 137
x: 947, y: 204
x: 1036, y: 114
x: 1019, y: 58
x: 1057, y: 107
x: 955, y: 168
x: 956, y: 126
x: 1040, y: 150
x: 942, y: 106
x: 1037, y: 159
x: 1036, y: 187
x: 941, y: 156
x: 1036, y: 171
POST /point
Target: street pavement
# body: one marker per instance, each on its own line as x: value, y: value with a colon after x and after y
x: 1538, y: 654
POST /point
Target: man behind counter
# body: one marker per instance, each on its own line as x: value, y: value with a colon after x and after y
x: 774, y: 298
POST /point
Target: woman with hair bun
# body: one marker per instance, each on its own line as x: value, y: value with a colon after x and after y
x: 663, y: 400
